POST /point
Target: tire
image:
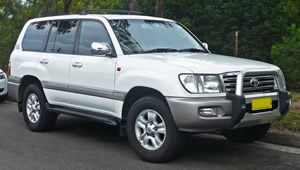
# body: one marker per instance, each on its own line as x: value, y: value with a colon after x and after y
x: 3, y: 98
x: 247, y: 134
x: 39, y: 119
x: 171, y: 141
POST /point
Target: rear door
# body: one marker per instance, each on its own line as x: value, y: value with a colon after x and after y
x: 54, y: 64
x: 91, y: 76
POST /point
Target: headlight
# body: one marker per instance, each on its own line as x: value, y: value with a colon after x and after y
x: 2, y: 76
x: 201, y: 83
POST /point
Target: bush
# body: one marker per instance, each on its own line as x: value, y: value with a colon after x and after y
x: 286, y: 55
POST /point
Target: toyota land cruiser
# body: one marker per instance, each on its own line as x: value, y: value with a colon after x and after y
x: 150, y: 76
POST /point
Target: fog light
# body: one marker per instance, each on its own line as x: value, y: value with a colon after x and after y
x: 208, y: 112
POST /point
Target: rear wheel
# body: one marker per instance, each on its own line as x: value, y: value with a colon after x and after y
x: 35, y: 114
x: 151, y: 130
x: 247, y: 134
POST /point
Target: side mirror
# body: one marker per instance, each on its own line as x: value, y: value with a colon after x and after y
x: 100, y: 48
x: 205, y: 45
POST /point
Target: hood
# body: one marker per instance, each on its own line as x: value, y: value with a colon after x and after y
x: 207, y: 63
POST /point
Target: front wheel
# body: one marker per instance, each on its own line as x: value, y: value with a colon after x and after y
x: 151, y: 130
x: 247, y: 134
x: 35, y: 114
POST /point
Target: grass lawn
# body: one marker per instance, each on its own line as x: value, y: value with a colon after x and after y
x: 291, y: 122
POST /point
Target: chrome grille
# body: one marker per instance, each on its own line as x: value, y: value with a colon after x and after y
x: 266, y: 83
x: 230, y: 82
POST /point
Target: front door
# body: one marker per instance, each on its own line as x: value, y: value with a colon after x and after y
x: 91, y: 76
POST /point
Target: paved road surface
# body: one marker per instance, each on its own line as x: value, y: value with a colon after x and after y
x: 80, y: 144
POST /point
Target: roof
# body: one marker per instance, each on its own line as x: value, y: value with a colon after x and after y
x: 107, y: 16
x: 144, y: 17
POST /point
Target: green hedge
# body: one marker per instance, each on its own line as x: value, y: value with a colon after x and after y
x: 286, y: 55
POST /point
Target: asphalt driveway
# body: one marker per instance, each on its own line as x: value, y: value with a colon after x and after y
x: 81, y: 144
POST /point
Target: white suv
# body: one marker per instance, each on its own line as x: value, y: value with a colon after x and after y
x: 150, y: 76
x: 3, y: 86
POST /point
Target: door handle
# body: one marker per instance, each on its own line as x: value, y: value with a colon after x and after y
x: 77, y: 65
x: 44, y: 61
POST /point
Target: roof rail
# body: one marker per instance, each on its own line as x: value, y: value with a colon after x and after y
x: 86, y: 11
x: 51, y: 14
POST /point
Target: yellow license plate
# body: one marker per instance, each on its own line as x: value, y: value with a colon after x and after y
x: 261, y: 104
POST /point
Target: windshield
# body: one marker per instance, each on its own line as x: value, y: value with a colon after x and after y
x: 148, y: 36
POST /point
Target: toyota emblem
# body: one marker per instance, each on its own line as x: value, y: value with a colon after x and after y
x: 254, y: 81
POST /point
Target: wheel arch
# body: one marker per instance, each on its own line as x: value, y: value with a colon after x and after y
x: 137, y: 93
x: 24, y: 83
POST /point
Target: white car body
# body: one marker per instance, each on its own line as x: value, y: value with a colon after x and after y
x: 3, y: 83
x: 158, y: 71
x: 151, y: 76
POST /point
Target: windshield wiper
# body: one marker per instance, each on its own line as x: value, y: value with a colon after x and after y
x: 193, y: 50
x: 160, y: 50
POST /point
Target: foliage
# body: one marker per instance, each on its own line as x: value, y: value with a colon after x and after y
x: 292, y: 9
x: 12, y: 19
x: 287, y: 56
x: 80, y: 5
x: 291, y: 122
x: 261, y: 24
x: 295, y: 96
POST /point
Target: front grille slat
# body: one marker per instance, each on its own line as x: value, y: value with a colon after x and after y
x: 266, y: 83
x: 230, y: 79
x: 261, y: 83
x: 230, y: 82
x: 247, y: 89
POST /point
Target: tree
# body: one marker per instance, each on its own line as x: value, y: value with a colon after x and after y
x: 147, y: 6
x: 133, y: 5
x: 67, y: 4
x: 44, y: 6
x: 12, y: 19
x: 159, y: 8
x: 292, y: 9
x: 287, y: 56
x: 260, y: 24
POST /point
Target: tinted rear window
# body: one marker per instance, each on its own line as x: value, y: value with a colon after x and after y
x: 36, y: 36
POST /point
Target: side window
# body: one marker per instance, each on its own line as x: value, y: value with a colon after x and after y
x: 36, y: 36
x: 62, y: 37
x: 52, y: 36
x: 91, y: 31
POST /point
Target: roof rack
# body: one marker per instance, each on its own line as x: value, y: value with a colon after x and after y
x: 51, y: 14
x: 86, y: 11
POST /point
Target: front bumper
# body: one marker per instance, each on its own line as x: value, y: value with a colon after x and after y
x: 3, y: 87
x: 233, y: 111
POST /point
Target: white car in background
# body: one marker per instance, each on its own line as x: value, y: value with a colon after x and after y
x: 3, y: 86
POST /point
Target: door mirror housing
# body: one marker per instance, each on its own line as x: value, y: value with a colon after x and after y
x: 100, y: 48
x: 205, y: 45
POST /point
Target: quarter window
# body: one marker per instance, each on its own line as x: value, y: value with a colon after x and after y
x: 62, y: 37
x: 91, y: 31
x: 36, y: 36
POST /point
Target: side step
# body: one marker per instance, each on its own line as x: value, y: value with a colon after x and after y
x: 103, y: 119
